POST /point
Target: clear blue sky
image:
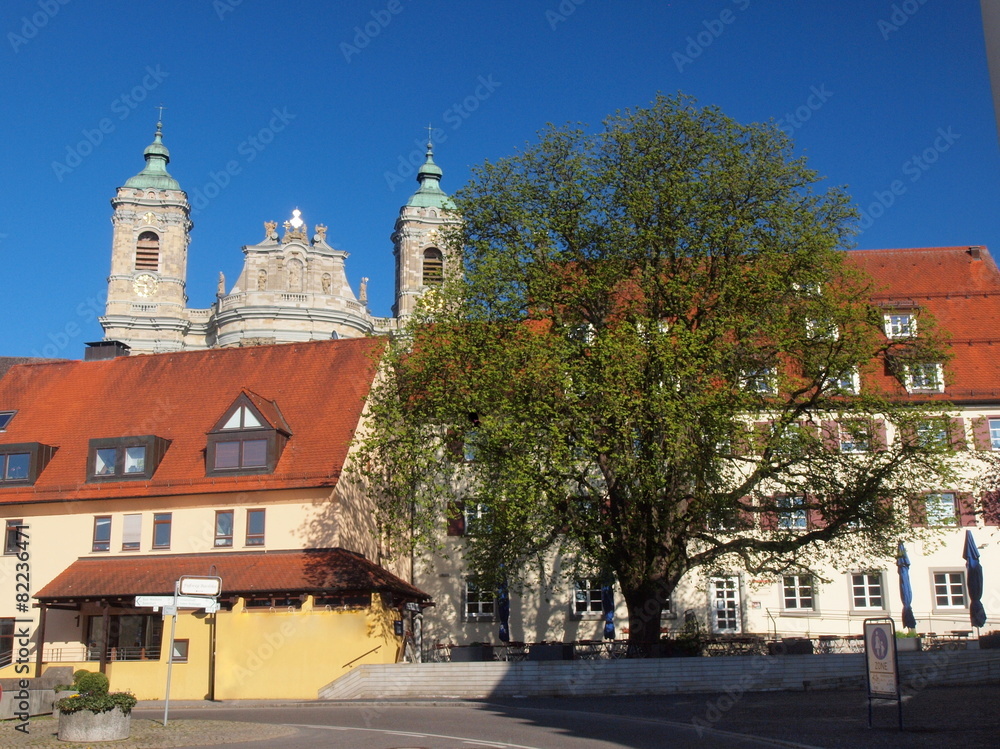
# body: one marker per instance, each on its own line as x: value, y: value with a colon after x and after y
x: 357, y: 83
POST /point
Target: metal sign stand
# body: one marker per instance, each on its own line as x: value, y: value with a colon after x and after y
x: 190, y: 592
x: 882, y: 664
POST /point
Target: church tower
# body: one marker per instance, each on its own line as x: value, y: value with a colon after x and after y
x: 146, y: 306
x: 419, y: 236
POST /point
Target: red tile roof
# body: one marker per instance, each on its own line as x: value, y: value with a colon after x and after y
x: 960, y: 287
x: 330, y: 571
x: 317, y: 389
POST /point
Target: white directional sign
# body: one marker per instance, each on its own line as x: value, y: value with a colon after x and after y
x: 200, y: 586
x: 183, y: 602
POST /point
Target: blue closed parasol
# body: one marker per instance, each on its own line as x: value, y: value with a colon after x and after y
x: 974, y: 579
x: 608, y: 609
x: 503, y: 610
x: 905, y: 589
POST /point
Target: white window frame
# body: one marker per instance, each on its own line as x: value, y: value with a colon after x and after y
x: 921, y: 378
x: 941, y: 509
x: 818, y: 330
x: 474, y: 514
x: 798, y: 589
x: 900, y: 325
x: 949, y: 584
x: 762, y: 380
x: 993, y: 425
x: 587, y: 599
x: 475, y: 606
x: 848, y: 383
x: 867, y: 585
x: 932, y: 433
x: 791, y: 513
x: 857, y: 443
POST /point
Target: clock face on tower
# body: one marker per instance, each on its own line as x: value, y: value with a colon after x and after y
x: 144, y: 285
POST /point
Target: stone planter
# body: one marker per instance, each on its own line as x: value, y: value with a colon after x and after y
x: 908, y: 644
x: 84, y: 725
x: 58, y: 696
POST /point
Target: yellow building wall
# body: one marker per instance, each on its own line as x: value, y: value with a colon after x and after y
x: 260, y: 654
x: 290, y: 655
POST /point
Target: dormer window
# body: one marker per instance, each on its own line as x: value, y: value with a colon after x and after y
x: 125, y: 458
x: 21, y: 463
x: 5, y: 417
x: 924, y: 377
x: 248, y: 439
x: 900, y: 325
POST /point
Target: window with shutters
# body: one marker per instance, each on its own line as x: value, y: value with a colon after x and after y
x: 791, y: 512
x: 994, y: 427
x: 941, y: 510
x: 147, y: 252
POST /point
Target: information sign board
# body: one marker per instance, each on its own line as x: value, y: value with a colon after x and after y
x: 880, y: 652
x: 200, y: 586
x: 881, y: 664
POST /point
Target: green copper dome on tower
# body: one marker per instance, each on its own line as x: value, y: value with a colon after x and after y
x: 154, y: 175
x: 430, y: 194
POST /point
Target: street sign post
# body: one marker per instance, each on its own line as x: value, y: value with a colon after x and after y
x: 190, y: 592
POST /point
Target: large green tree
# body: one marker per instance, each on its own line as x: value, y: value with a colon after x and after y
x: 648, y: 340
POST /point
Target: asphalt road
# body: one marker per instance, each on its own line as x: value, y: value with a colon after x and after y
x: 967, y: 717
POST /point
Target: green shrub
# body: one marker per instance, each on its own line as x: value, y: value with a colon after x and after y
x: 78, y: 674
x: 93, y: 682
x: 97, y: 702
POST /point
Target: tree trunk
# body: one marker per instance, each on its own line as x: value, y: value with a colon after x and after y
x: 645, y: 602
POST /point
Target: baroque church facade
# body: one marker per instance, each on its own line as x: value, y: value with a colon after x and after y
x: 293, y: 286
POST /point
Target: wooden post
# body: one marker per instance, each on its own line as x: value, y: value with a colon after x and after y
x: 42, y: 609
x: 105, y: 635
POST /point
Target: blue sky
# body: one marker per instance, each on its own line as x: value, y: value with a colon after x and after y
x: 321, y: 104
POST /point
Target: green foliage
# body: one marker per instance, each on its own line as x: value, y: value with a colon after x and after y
x: 97, y: 702
x: 77, y: 674
x: 645, y: 347
x: 91, y: 682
